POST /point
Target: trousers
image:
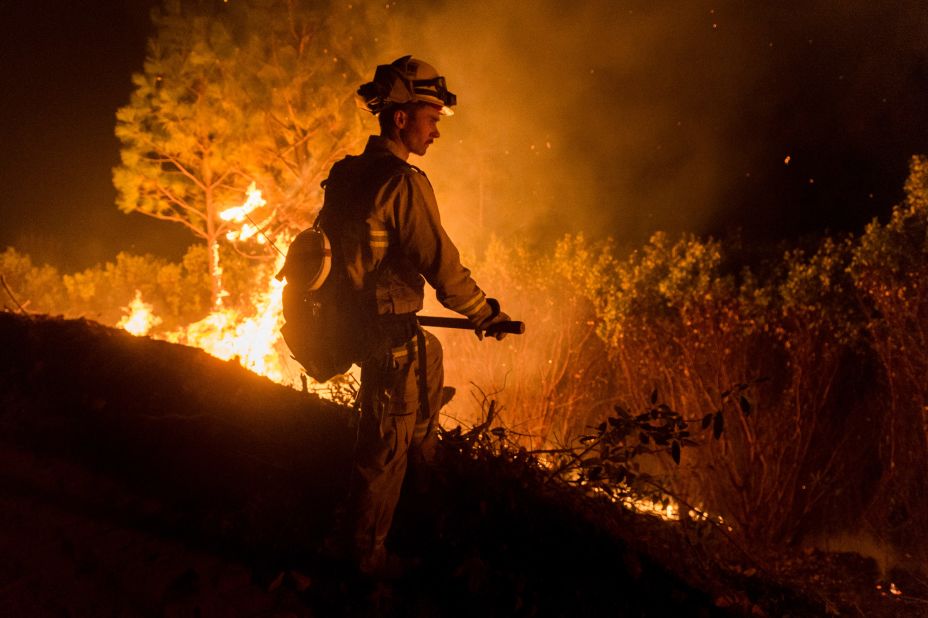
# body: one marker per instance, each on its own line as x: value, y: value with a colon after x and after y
x: 398, y: 426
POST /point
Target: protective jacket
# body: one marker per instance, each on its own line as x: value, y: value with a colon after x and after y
x: 382, y: 218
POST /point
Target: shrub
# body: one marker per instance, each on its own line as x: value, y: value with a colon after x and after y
x: 890, y: 271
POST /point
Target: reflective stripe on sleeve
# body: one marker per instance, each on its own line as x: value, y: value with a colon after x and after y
x: 380, y: 239
x: 472, y: 306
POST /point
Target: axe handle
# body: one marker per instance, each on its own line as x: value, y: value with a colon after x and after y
x: 512, y: 326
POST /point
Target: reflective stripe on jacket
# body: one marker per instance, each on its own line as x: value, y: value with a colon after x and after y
x: 381, y: 216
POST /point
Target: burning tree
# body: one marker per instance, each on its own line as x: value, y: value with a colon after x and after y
x: 234, y: 94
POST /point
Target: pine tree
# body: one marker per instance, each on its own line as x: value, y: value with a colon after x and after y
x: 234, y: 93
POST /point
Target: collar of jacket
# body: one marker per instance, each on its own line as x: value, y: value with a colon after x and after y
x: 379, y: 144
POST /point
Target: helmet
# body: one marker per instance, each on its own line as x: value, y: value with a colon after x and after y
x: 406, y: 80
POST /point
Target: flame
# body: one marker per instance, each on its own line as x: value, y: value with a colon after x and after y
x: 254, y: 340
x: 251, y: 337
x: 252, y: 201
x: 139, y: 319
x: 227, y: 333
x: 239, y: 214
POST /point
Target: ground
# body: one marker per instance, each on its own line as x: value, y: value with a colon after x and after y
x: 142, y: 478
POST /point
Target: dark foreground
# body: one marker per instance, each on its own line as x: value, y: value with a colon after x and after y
x: 140, y: 478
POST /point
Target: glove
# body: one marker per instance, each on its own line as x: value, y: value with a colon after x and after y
x: 485, y: 328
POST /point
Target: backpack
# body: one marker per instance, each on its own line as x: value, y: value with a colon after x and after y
x: 322, y: 328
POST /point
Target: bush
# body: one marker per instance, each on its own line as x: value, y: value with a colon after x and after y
x: 178, y: 293
x: 38, y: 289
x: 549, y: 383
x: 890, y: 272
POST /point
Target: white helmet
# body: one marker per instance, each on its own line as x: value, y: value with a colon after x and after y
x: 406, y: 80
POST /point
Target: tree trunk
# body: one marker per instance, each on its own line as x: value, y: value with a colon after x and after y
x: 212, y: 237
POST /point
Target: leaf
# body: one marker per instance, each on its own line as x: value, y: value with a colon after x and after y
x: 654, y: 396
x: 622, y: 412
x: 675, y: 452
x: 591, y: 462
x: 643, y: 437
x: 745, y: 405
x: 718, y: 425
x: 498, y: 432
x: 707, y: 420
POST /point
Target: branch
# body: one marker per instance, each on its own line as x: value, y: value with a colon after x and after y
x: 176, y: 219
x: 10, y: 292
x: 176, y: 163
x: 177, y: 201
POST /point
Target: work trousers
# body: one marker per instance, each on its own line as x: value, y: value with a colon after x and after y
x: 398, y: 426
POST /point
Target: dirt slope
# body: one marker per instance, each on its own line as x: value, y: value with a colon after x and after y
x: 143, y: 478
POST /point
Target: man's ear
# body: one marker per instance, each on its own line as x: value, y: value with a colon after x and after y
x: 400, y: 118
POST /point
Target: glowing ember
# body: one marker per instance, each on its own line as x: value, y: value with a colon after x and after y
x: 139, y: 320
x: 666, y: 510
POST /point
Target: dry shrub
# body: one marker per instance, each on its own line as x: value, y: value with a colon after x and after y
x: 674, y: 321
x: 890, y: 270
x: 548, y: 383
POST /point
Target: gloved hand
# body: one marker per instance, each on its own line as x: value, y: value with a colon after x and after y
x: 485, y: 328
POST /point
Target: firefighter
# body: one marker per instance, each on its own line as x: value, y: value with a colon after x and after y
x: 387, y: 239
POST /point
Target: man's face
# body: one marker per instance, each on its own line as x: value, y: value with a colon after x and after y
x: 420, y: 128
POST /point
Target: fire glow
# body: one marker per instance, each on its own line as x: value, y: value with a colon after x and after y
x: 139, y: 320
x: 239, y: 214
x: 253, y: 340
x: 227, y: 334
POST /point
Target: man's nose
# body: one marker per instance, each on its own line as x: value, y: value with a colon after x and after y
x: 435, y: 133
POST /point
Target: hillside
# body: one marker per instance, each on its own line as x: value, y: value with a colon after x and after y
x: 144, y: 478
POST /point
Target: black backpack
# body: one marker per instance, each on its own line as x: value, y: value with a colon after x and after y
x: 323, y: 328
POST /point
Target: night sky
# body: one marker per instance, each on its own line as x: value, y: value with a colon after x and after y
x: 691, y: 111
x: 65, y: 68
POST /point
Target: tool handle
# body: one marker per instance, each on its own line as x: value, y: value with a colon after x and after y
x: 510, y: 326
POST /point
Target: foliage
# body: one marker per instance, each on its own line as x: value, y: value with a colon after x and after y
x: 178, y: 292
x: 37, y: 288
x: 890, y: 272
x: 551, y: 382
x: 673, y: 316
x: 609, y: 458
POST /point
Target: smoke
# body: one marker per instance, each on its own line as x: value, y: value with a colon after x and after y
x: 624, y: 118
